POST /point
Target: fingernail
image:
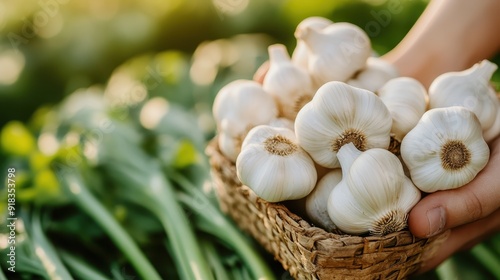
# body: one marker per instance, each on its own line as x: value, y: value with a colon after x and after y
x: 437, y: 219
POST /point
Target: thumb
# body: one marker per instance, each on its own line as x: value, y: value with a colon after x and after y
x: 451, y: 208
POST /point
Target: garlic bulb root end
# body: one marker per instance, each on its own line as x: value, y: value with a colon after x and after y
x: 279, y: 145
x: 392, y: 221
x: 354, y: 136
x: 454, y: 155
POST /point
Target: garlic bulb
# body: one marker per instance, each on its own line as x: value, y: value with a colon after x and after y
x: 317, y: 200
x: 469, y: 89
x: 445, y: 150
x: 288, y: 84
x: 375, y: 74
x: 339, y: 114
x: 374, y: 195
x: 273, y: 165
x: 282, y: 122
x: 494, y: 130
x: 335, y: 52
x: 300, y: 54
x: 406, y: 99
x: 229, y: 146
x: 241, y: 105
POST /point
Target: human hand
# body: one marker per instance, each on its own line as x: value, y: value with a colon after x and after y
x: 471, y: 212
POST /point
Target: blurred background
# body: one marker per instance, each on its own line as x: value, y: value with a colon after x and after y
x: 182, y: 50
x: 50, y: 48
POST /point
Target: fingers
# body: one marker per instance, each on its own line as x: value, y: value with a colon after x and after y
x: 448, y: 209
x: 463, y: 238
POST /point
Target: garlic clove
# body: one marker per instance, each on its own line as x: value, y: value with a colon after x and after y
x: 340, y: 114
x: 274, y: 166
x: 288, y: 84
x: 243, y: 104
x: 375, y: 74
x: 445, y: 150
x: 335, y: 52
x: 300, y: 53
x: 317, y: 200
x: 406, y: 99
x: 377, y: 202
x: 469, y: 89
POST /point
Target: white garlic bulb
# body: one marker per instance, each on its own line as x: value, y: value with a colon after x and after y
x: 282, y: 122
x: 339, y: 114
x: 229, y: 146
x: 290, y: 85
x: 375, y: 74
x: 469, y: 89
x: 335, y: 52
x: 317, y: 200
x: 274, y: 166
x: 300, y: 53
x: 241, y: 105
x: 406, y: 99
x: 374, y: 195
x: 445, y: 150
x: 494, y: 130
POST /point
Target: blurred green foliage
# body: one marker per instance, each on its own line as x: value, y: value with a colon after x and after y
x: 50, y: 48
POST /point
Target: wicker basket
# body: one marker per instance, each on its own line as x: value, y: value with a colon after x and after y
x: 309, y: 252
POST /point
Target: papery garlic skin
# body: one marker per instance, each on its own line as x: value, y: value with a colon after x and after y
x: 335, y: 52
x: 339, y: 114
x: 290, y: 85
x: 375, y: 74
x: 317, y: 200
x: 469, y: 89
x: 241, y: 105
x: 274, y: 166
x: 406, y: 99
x: 300, y: 54
x: 445, y: 150
x: 374, y: 195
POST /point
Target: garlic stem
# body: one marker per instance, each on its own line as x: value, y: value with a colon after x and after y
x: 346, y: 155
x: 278, y: 53
x: 485, y: 69
x: 310, y: 36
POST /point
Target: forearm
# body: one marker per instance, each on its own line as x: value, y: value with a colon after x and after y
x: 450, y: 35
